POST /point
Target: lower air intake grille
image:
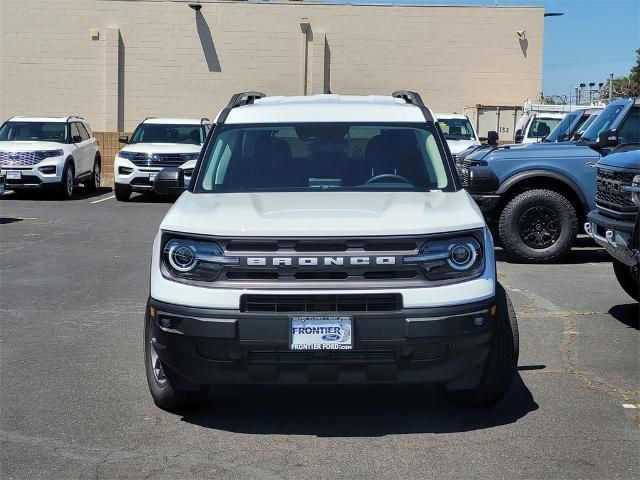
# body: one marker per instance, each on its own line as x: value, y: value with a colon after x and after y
x: 305, y: 358
x: 320, y: 303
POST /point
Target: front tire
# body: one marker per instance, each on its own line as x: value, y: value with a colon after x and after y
x: 164, y: 384
x: 123, y: 192
x: 67, y: 185
x: 538, y: 226
x: 628, y: 279
x: 501, y: 365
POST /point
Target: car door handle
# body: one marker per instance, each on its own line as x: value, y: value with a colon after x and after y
x: 591, y: 164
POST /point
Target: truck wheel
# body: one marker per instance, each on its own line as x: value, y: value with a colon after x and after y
x: 93, y: 184
x: 67, y: 185
x: 502, y: 363
x: 538, y: 226
x: 123, y: 192
x: 163, y: 382
x: 628, y: 279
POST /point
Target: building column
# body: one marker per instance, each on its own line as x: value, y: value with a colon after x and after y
x: 112, y: 80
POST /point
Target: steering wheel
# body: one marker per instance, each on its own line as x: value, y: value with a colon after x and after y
x: 385, y: 176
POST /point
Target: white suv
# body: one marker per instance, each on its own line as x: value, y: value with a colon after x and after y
x: 51, y: 153
x: 157, y: 143
x: 325, y: 239
x: 459, y: 132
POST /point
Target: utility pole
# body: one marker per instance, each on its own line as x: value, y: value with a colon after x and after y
x: 610, y: 87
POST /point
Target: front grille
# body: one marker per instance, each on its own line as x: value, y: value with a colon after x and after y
x: 321, y: 275
x: 22, y: 159
x: 609, y: 194
x: 271, y: 357
x: 158, y: 159
x: 320, y: 303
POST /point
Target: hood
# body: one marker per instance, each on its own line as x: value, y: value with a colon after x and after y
x: 162, y: 148
x: 629, y: 160
x: 457, y: 146
x: 317, y: 214
x: 534, y: 150
x: 30, y: 145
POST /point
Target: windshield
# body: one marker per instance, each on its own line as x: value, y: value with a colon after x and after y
x: 563, y: 129
x: 603, y: 121
x: 541, y: 127
x: 583, y: 126
x: 34, y: 131
x: 457, y: 128
x: 167, y: 133
x: 319, y: 156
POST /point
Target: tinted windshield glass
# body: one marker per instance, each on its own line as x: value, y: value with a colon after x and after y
x: 563, y: 128
x: 336, y: 156
x: 603, y: 122
x: 40, y: 131
x: 541, y: 127
x: 582, y: 127
x: 457, y: 129
x: 164, y: 133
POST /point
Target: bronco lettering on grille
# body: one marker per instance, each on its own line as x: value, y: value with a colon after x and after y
x: 317, y: 261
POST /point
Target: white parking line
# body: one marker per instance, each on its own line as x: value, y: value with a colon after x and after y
x: 103, y: 199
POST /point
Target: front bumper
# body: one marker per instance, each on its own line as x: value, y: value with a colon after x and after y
x: 616, y: 236
x: 34, y: 177
x: 140, y: 179
x: 444, y: 345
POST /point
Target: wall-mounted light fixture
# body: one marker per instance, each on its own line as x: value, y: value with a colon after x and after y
x: 195, y: 6
x: 522, y: 34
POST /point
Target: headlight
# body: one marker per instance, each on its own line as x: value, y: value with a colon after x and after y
x: 50, y: 153
x: 192, y: 259
x: 127, y: 155
x: 450, y: 258
x: 190, y: 156
x: 635, y: 191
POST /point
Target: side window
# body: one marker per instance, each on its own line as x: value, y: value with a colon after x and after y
x: 83, y: 131
x: 629, y: 131
x: 88, y: 128
x: 74, y: 131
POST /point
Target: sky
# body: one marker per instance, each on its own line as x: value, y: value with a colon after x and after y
x: 591, y: 39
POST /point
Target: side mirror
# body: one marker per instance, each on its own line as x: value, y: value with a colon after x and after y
x: 483, y: 139
x: 123, y: 139
x: 169, y: 181
x: 76, y: 139
x: 482, y: 179
x: 492, y: 138
x: 518, y: 138
x: 608, y: 138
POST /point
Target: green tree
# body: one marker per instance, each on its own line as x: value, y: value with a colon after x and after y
x: 628, y: 86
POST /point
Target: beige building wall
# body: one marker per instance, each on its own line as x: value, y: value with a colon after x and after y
x: 160, y: 58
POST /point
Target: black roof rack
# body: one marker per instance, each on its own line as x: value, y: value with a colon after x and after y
x: 414, y: 98
x: 237, y: 100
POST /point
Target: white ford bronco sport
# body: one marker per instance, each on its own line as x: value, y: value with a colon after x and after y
x: 157, y: 143
x: 54, y: 154
x: 325, y: 239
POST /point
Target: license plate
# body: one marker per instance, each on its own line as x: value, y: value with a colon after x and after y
x: 321, y: 332
x: 14, y: 175
x: 152, y: 176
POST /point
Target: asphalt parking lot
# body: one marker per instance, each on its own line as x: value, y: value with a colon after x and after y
x: 74, y: 401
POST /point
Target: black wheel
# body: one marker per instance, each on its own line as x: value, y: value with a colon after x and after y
x: 538, y: 226
x: 501, y: 366
x: 628, y: 278
x: 67, y: 185
x: 166, y: 387
x: 93, y: 184
x: 123, y: 192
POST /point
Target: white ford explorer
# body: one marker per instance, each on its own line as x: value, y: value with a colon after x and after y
x: 325, y: 239
x: 157, y: 143
x: 48, y: 153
